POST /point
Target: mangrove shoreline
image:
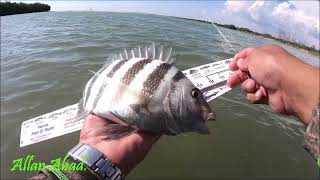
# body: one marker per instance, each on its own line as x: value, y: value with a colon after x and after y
x: 9, y: 8
x: 312, y: 50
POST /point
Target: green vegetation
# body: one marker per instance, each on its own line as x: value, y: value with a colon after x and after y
x: 9, y: 8
x: 284, y: 40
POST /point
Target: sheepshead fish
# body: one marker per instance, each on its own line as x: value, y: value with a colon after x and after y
x: 143, y: 90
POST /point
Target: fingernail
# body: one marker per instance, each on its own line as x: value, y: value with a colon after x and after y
x: 258, y: 93
x: 239, y: 62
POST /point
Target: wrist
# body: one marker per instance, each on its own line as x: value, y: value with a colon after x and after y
x: 120, y: 154
x: 114, y: 155
x: 302, y: 91
x: 96, y: 162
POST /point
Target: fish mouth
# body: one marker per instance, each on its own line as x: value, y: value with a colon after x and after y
x: 211, y: 117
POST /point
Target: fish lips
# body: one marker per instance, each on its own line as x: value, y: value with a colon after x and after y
x: 203, y: 128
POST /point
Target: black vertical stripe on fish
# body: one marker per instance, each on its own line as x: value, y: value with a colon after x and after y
x: 173, y: 83
x: 155, y: 78
x: 104, y: 84
x: 116, y: 67
x: 178, y: 76
x: 171, y: 106
x: 172, y: 93
x: 99, y: 94
x: 132, y: 71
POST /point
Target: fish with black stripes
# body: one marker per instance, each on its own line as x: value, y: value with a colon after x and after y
x: 143, y: 90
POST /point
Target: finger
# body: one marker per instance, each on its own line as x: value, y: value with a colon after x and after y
x: 243, y: 64
x: 241, y: 55
x: 236, y: 78
x: 264, y: 91
x: 255, y: 97
x: 249, y: 86
x: 258, y: 97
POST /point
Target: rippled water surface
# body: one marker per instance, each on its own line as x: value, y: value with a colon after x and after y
x: 46, y: 60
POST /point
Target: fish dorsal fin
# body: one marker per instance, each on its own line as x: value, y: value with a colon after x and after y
x: 167, y: 58
x: 146, y: 55
x: 161, y: 53
x: 139, y: 51
x: 156, y: 52
x: 152, y: 50
x: 148, y: 52
x: 126, y: 56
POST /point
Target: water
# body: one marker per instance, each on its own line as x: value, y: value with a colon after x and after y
x: 46, y: 60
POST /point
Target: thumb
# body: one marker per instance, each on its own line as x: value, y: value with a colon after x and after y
x: 243, y: 65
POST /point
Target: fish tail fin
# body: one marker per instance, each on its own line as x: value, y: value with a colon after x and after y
x: 81, y: 113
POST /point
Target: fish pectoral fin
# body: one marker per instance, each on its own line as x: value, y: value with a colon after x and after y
x: 117, y: 131
x: 135, y: 107
x: 114, y: 117
x: 140, y: 108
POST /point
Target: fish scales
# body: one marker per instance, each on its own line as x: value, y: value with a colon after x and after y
x: 93, y: 86
x: 112, y: 88
x: 116, y: 67
x: 139, y: 80
x: 131, y: 73
x: 104, y: 82
x: 143, y: 92
x: 154, y: 79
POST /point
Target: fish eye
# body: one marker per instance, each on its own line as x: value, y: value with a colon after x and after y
x: 195, y: 92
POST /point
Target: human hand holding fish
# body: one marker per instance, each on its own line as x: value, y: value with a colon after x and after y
x: 126, y: 152
x: 262, y: 79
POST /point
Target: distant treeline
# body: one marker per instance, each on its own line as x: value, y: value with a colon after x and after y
x: 312, y: 49
x: 284, y: 41
x: 9, y: 8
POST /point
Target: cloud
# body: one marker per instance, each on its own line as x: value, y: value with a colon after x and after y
x: 297, y: 20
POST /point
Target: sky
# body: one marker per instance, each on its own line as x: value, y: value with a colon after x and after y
x: 294, y: 20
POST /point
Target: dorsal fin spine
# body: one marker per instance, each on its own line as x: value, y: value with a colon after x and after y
x: 150, y: 52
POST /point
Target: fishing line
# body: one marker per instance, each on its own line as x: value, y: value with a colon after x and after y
x: 222, y: 35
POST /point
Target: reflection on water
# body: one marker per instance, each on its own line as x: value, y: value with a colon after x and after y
x: 46, y: 59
